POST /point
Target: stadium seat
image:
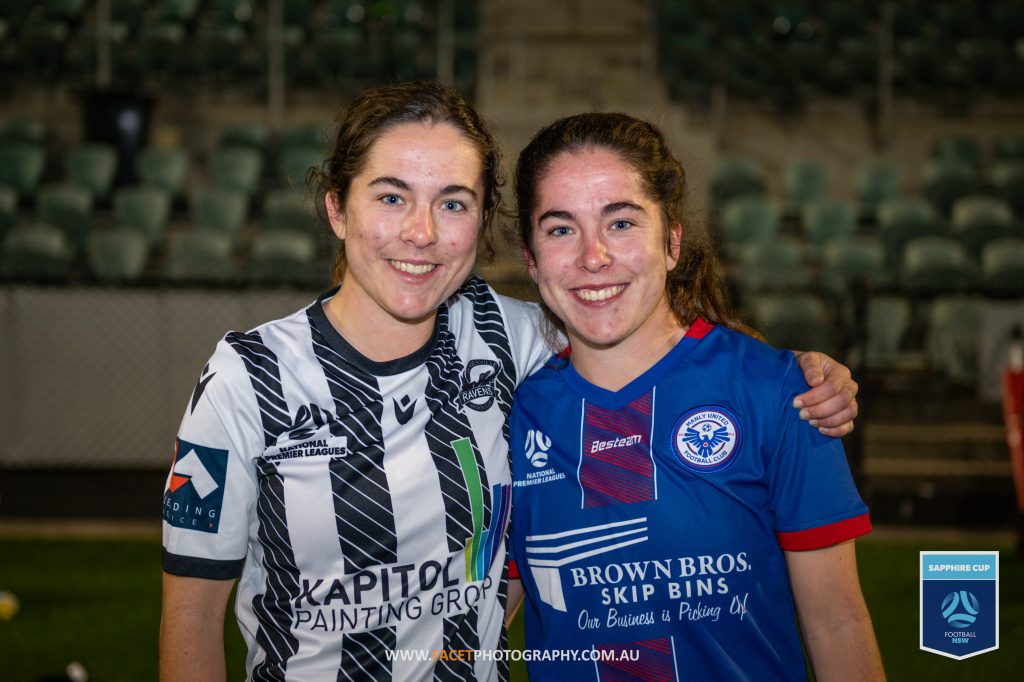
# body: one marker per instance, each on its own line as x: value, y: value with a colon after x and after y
x: 827, y: 220
x: 1002, y: 267
x: 286, y: 209
x: 36, y: 251
x: 900, y: 220
x: 92, y: 166
x: 42, y: 48
x: 24, y: 131
x: 959, y: 149
x: 935, y: 265
x: 979, y: 219
x: 1008, y: 183
x: 284, y: 257
x: 304, y: 135
x: 797, y: 321
x: 163, y: 168
x: 199, y: 256
x: 772, y: 264
x: 888, y: 321
x: 853, y: 261
x: 144, y: 209
x: 65, y: 10
x: 943, y: 181
x: 220, y: 52
x: 235, y: 168
x: 749, y: 218
x: 953, y: 344
x: 876, y: 181
x: 118, y: 254
x: 219, y: 210
x: 161, y: 49
x: 1008, y: 148
x: 803, y: 181
x: 69, y: 207
x: 177, y: 10
x: 340, y: 54
x: 252, y: 135
x: 21, y: 167
x: 734, y: 177
x: 294, y: 163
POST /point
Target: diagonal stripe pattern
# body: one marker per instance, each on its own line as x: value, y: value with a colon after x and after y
x: 265, y: 376
x: 616, y: 466
x: 654, y: 664
x: 363, y: 510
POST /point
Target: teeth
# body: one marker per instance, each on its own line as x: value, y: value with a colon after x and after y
x: 599, y: 294
x: 412, y: 269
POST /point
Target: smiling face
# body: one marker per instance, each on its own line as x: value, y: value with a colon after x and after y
x: 599, y: 254
x: 410, y: 223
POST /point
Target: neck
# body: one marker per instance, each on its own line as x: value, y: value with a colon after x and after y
x: 612, y: 367
x: 378, y: 337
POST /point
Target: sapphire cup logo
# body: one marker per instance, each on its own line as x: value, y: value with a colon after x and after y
x: 960, y: 609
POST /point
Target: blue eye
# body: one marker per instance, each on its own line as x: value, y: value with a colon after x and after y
x: 391, y: 199
x: 453, y: 205
x: 621, y: 225
x: 559, y: 231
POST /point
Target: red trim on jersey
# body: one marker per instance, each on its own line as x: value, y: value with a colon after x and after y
x: 824, y: 536
x: 699, y: 328
x: 513, y: 569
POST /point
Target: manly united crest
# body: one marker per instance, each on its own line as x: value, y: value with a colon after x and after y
x: 706, y: 439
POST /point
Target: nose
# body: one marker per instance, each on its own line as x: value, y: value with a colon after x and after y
x: 419, y: 228
x: 594, y: 253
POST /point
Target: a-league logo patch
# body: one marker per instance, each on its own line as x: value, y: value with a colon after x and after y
x: 959, y: 603
x: 195, y: 488
x: 707, y: 439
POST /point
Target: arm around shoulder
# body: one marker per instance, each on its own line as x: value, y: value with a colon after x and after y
x: 833, y: 617
x: 192, y: 628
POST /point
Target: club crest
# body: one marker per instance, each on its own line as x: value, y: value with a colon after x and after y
x: 706, y: 439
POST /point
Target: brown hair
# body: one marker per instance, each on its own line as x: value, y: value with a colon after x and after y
x: 693, y: 287
x: 379, y: 109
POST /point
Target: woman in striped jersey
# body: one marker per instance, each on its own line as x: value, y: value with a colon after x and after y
x: 347, y: 465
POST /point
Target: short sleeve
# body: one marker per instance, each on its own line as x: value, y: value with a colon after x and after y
x: 210, y: 492
x: 530, y: 348
x: 813, y: 497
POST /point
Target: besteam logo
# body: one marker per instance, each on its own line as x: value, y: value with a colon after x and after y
x: 195, y: 487
x: 960, y: 609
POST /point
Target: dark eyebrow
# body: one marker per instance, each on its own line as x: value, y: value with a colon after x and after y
x: 562, y: 215
x: 451, y: 189
x: 619, y: 205
x: 388, y: 180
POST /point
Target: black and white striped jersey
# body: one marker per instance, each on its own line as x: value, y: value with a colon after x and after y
x: 364, y: 505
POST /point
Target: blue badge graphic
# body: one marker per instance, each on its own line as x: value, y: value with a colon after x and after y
x: 195, y: 488
x: 959, y: 603
x: 706, y: 439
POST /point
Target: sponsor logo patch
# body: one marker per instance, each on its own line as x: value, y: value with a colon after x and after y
x: 707, y: 439
x: 195, y: 488
x: 959, y: 603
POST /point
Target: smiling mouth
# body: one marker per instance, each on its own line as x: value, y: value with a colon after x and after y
x: 412, y: 269
x: 600, y: 294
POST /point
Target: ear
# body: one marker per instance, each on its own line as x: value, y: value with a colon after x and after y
x: 336, y: 215
x: 531, y: 263
x: 675, y: 240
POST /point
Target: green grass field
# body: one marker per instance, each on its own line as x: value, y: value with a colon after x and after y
x: 98, y: 602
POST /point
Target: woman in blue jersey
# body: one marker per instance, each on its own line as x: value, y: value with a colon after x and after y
x: 670, y: 510
x: 347, y: 466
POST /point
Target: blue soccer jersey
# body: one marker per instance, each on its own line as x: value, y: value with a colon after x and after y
x: 649, y: 524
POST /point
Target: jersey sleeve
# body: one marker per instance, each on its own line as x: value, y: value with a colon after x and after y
x: 530, y: 348
x: 210, y: 493
x: 813, y: 497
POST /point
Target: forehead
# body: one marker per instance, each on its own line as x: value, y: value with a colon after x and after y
x: 590, y: 174
x: 437, y: 150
